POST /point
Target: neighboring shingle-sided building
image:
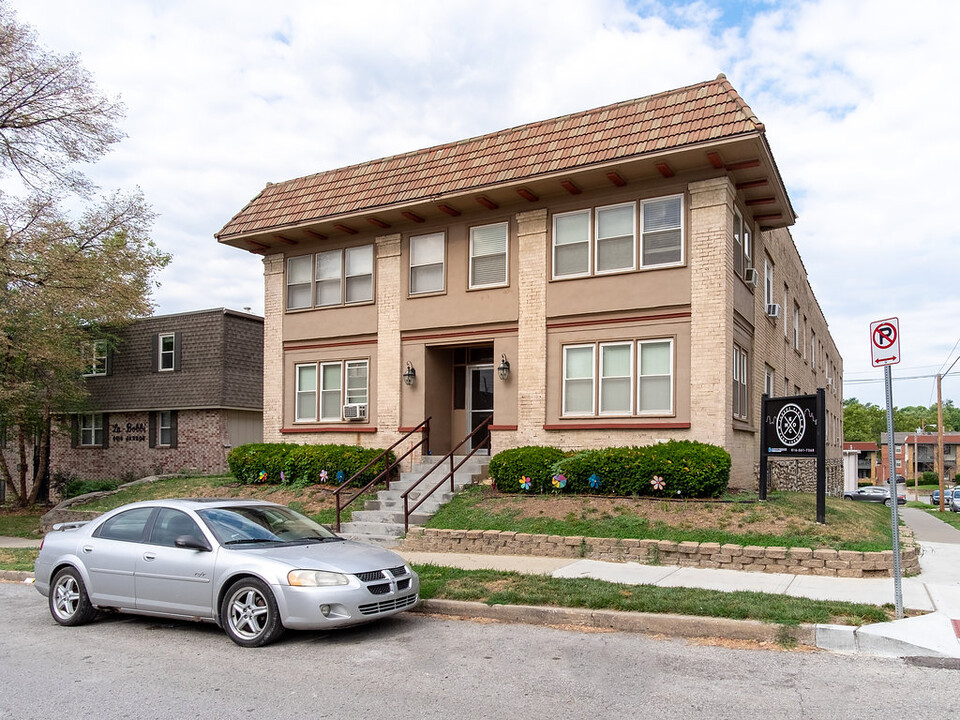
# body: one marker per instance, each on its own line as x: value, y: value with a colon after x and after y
x: 630, y: 264
x: 176, y: 392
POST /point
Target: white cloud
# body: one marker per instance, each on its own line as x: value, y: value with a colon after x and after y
x: 856, y: 95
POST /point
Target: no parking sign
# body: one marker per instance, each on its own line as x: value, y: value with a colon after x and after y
x: 885, y: 342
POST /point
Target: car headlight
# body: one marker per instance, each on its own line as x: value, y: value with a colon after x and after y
x: 315, y: 578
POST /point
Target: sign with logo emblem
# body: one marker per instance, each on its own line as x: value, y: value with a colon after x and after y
x: 791, y: 426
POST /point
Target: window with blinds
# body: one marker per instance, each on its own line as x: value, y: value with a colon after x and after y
x: 661, y: 242
x: 426, y: 263
x: 488, y: 255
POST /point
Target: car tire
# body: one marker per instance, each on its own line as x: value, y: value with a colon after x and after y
x: 68, y: 600
x: 249, y: 614
x: 887, y: 502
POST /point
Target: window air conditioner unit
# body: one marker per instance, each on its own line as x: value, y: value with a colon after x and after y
x: 773, y: 310
x: 750, y: 276
x: 355, y: 411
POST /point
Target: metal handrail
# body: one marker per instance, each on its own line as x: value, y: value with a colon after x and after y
x: 407, y: 510
x: 423, y: 427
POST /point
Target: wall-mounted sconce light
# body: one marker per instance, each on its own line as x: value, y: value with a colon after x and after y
x: 504, y: 368
x: 409, y: 375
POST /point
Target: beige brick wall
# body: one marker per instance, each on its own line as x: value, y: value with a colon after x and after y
x: 531, y: 370
x: 273, y: 304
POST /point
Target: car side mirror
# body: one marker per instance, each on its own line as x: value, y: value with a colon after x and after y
x: 192, y: 542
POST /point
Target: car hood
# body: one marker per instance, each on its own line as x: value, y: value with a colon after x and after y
x: 344, y: 556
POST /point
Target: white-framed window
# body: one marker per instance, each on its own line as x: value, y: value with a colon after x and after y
x: 427, y: 254
x: 331, y: 391
x: 741, y: 376
x: 164, y: 428
x: 166, y: 351
x: 768, y: 380
x: 329, y: 278
x: 357, y: 381
x: 488, y: 255
x: 299, y: 278
x: 616, y: 237
x: 899, y: 462
x: 358, y: 274
x: 306, y: 393
x: 785, y: 324
x: 654, y: 377
x: 661, y: 241
x: 571, y: 244
x: 616, y: 378
x: 578, y: 380
x: 813, y: 350
x: 768, y: 298
x: 796, y: 327
x: 97, y: 354
x: 91, y: 429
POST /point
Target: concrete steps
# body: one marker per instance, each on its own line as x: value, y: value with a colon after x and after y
x: 381, y: 520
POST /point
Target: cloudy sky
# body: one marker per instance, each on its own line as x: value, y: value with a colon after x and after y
x: 859, y: 98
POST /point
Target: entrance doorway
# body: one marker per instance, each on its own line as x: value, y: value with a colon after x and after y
x: 479, y: 402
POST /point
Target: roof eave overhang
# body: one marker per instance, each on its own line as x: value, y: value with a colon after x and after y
x: 746, y: 159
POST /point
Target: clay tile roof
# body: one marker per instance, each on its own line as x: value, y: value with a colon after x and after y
x: 707, y: 111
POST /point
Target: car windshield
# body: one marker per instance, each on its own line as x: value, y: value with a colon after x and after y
x: 243, y: 525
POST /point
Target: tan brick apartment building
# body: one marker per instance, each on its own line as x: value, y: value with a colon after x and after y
x: 176, y: 392
x: 631, y: 264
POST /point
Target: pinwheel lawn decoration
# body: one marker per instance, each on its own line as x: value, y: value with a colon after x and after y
x: 283, y: 476
x: 559, y: 481
x: 340, y: 477
x: 657, y: 482
x: 594, y: 482
x: 262, y: 477
x: 525, y: 483
x: 323, y: 476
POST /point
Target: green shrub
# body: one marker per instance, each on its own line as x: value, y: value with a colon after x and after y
x: 303, y: 464
x: 929, y: 478
x: 73, y: 488
x: 686, y: 469
x: 533, y: 461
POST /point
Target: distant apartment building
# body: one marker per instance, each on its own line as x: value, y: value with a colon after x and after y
x: 916, y: 453
x: 174, y: 393
x: 619, y: 276
x: 865, y: 458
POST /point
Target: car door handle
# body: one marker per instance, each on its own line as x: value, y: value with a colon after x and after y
x: 149, y: 556
x: 87, y: 548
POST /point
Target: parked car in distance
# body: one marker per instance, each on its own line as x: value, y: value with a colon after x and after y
x: 954, y: 504
x: 873, y: 493
x: 947, y: 496
x: 254, y: 568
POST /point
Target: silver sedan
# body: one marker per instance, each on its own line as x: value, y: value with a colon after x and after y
x: 253, y: 568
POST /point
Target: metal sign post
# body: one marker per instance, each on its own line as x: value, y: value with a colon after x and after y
x: 885, y: 346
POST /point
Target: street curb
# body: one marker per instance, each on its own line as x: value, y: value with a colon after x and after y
x: 651, y: 623
x: 16, y: 575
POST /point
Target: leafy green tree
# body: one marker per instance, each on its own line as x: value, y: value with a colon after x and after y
x: 863, y: 423
x: 62, y: 278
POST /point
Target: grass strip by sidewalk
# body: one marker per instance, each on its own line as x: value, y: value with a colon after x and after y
x: 509, y: 588
x: 19, y: 559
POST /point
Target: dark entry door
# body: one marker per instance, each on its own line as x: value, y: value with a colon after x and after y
x: 480, y: 401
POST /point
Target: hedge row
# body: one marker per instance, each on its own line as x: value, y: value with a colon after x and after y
x: 672, y: 469
x: 286, y: 463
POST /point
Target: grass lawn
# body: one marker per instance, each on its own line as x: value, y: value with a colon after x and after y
x: 508, y: 588
x: 20, y: 559
x: 786, y: 519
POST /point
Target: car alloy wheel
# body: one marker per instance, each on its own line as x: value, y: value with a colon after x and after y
x: 249, y: 614
x: 69, y: 603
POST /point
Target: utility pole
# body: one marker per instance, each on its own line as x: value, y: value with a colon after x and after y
x: 940, y: 438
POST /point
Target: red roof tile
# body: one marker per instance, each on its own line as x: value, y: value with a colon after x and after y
x: 669, y: 120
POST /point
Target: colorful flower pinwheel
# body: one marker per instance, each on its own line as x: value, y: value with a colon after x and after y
x: 340, y: 476
x: 559, y: 481
x: 283, y: 476
x: 323, y: 476
x: 657, y: 482
x: 262, y: 477
x: 525, y: 483
x: 594, y: 481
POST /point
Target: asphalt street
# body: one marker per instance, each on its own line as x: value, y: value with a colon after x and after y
x: 415, y: 666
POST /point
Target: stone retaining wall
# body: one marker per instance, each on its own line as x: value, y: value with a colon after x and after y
x: 798, y: 561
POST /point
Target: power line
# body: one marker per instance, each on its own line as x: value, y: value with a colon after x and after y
x: 870, y: 381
